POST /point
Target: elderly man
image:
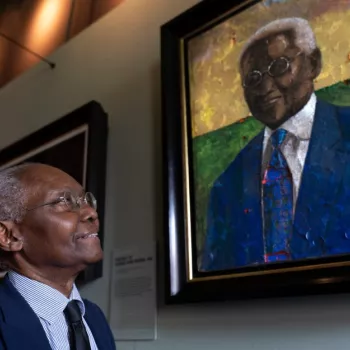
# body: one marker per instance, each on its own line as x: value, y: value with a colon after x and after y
x: 286, y: 195
x: 48, y: 235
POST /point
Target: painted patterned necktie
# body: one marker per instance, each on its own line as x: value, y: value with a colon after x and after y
x: 78, y: 337
x: 278, y: 202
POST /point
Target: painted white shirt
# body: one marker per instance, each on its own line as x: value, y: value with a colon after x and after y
x: 296, y: 144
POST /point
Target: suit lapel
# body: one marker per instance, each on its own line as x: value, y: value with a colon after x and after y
x: 96, y: 327
x: 324, y: 166
x: 20, y: 327
x: 251, y: 218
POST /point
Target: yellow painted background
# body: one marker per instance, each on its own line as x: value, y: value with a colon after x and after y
x: 215, y: 86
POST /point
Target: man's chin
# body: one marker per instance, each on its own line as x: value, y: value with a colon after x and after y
x: 92, y: 259
x: 271, y: 120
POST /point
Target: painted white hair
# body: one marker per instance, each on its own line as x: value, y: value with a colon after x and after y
x: 13, y: 194
x: 304, y: 36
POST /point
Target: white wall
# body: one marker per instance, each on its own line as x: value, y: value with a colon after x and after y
x: 116, y: 62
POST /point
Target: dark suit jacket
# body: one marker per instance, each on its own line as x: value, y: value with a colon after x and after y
x: 322, y: 215
x: 20, y: 328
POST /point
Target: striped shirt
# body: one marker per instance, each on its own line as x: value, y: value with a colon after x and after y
x: 48, y: 304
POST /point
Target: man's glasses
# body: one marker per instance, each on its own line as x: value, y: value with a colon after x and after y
x: 276, y: 68
x: 72, y: 203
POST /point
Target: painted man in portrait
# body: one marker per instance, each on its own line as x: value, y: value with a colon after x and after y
x: 286, y: 196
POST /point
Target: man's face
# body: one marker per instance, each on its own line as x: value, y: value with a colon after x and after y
x: 50, y: 233
x: 276, y: 98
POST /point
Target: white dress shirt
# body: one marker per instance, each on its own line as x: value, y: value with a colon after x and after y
x: 48, y: 304
x: 296, y: 144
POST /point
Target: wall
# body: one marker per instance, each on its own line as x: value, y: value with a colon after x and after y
x: 116, y: 61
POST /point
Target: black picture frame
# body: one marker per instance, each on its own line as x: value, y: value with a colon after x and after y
x: 184, y: 283
x: 77, y: 144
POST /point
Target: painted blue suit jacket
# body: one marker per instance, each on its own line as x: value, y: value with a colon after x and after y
x: 322, y: 215
x: 20, y: 328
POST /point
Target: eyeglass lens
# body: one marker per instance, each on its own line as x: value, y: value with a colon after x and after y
x: 74, y: 203
x: 277, y: 68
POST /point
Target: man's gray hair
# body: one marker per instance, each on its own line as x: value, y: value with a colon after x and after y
x: 13, y: 194
x: 304, y: 36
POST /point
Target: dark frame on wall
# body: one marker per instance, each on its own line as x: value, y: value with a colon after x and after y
x: 77, y: 144
x: 184, y: 281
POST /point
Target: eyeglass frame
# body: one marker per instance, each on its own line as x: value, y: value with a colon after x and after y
x: 61, y: 199
x: 289, y: 60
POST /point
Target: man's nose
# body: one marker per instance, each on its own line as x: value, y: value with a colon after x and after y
x: 88, y: 213
x: 267, y: 84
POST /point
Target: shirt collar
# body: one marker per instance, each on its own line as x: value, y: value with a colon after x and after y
x: 47, y: 303
x: 300, y: 125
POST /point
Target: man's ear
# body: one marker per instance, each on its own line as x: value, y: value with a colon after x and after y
x: 316, y: 63
x: 10, y: 241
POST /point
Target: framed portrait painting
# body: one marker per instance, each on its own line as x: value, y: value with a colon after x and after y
x: 256, y: 113
x: 77, y: 144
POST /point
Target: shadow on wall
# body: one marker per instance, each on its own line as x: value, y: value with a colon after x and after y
x: 157, y: 148
x: 301, y: 315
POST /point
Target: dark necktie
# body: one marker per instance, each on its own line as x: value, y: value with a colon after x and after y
x: 278, y: 202
x: 78, y: 338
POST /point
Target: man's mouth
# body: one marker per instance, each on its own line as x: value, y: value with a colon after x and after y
x: 270, y: 100
x: 86, y: 235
